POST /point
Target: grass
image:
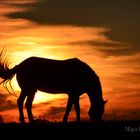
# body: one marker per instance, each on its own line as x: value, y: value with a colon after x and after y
x: 44, y: 128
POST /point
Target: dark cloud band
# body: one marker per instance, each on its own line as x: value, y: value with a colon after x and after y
x: 121, y: 16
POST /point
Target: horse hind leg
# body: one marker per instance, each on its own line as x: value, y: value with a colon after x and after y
x: 20, y: 102
x: 28, y: 105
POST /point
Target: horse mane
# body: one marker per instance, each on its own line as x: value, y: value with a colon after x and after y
x: 94, y: 78
x: 91, y: 71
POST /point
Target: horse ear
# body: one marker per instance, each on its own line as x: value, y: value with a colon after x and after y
x: 105, y: 101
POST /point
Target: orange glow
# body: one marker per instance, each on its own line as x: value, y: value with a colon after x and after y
x: 119, y: 74
x: 45, y: 44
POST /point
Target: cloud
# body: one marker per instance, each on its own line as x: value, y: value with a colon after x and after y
x: 110, y: 48
x: 22, y: 14
x: 19, y: 2
x: 53, y: 111
x: 5, y: 103
x: 3, y: 98
x: 124, y: 22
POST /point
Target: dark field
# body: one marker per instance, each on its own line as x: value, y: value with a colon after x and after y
x: 70, y: 129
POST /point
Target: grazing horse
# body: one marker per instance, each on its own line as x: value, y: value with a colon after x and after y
x: 71, y: 76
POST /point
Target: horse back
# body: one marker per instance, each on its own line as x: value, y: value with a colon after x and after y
x: 54, y: 74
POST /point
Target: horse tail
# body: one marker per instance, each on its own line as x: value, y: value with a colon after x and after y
x: 6, y: 73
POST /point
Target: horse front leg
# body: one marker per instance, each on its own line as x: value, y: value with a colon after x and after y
x: 68, y: 108
x: 28, y: 105
x: 20, y: 102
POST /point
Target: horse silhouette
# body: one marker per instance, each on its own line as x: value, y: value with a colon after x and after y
x: 72, y: 76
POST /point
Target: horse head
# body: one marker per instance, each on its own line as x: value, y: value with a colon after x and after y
x: 96, y: 110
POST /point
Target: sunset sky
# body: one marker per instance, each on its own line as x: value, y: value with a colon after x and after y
x: 104, y: 34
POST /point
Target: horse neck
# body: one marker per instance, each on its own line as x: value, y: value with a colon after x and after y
x: 95, y: 94
x: 95, y: 97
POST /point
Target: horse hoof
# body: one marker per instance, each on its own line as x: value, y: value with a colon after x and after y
x: 22, y: 121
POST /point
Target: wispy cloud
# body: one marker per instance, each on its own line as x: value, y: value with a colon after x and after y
x: 19, y: 2
x: 7, y: 102
x: 124, y: 22
x: 55, y: 111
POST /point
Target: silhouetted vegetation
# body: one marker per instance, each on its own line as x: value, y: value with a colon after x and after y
x: 44, y: 128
